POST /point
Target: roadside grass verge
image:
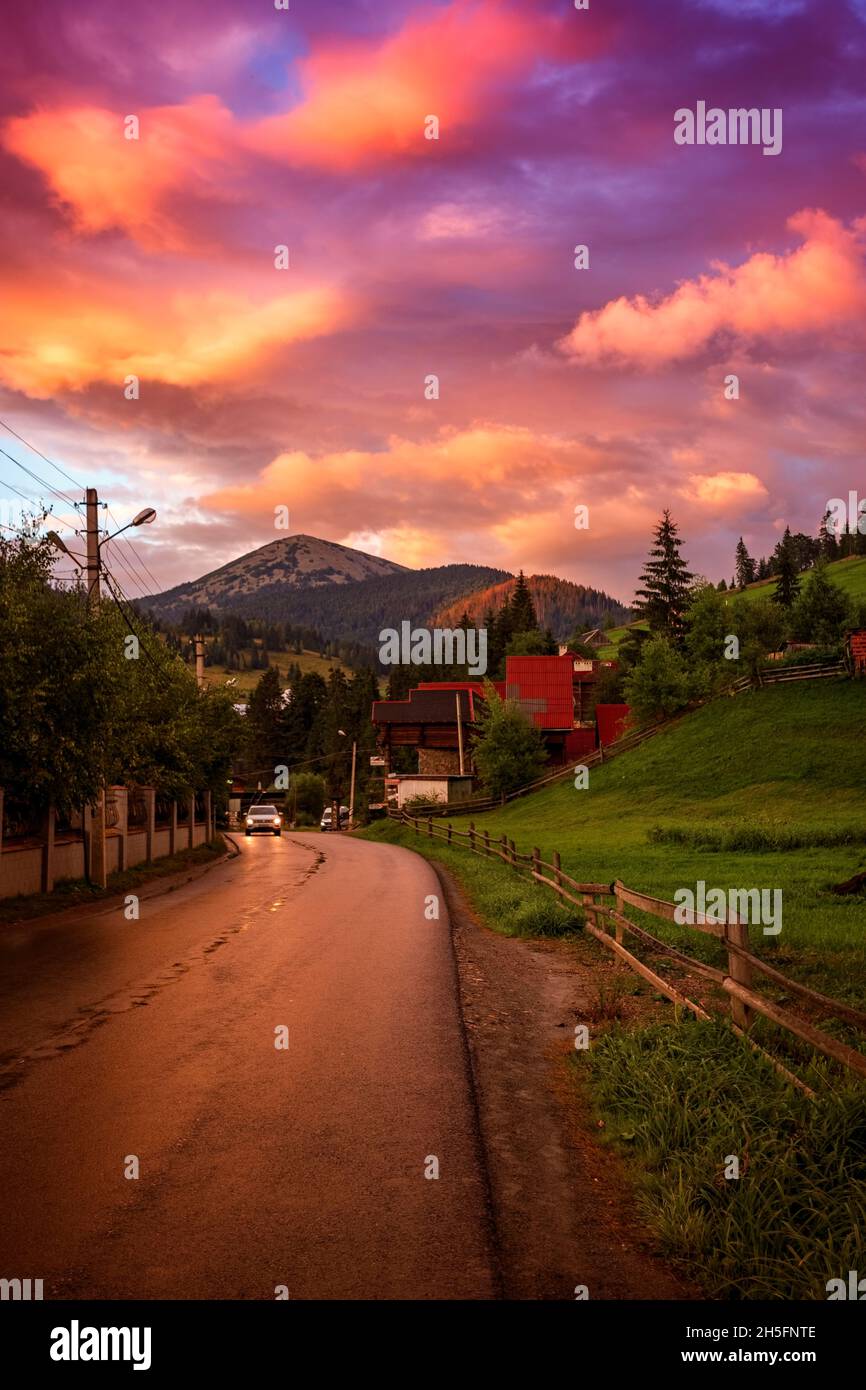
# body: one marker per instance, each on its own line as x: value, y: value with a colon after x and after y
x: 681, y: 1100
x: 75, y: 892
x: 510, y: 905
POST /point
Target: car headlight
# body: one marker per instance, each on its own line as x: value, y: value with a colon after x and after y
x: 249, y: 820
x: 276, y: 820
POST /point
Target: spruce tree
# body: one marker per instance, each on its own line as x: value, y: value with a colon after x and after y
x: 746, y: 569
x: 665, y: 593
x: 787, y: 576
x: 521, y: 607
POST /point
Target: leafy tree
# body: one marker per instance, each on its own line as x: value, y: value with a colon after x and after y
x: 660, y: 684
x: 532, y: 643
x: 307, y: 792
x: 760, y: 625
x: 264, y: 719
x: 508, y: 748
x: 664, y: 595
x: 787, y: 572
x: 822, y: 610
x: 746, y: 571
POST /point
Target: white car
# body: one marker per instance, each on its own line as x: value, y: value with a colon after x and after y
x: 327, y: 817
x: 263, y: 818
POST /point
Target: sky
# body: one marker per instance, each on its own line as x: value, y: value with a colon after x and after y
x: 261, y: 386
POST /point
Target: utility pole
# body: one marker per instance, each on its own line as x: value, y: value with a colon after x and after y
x: 199, y: 661
x: 352, y: 791
x: 459, y: 730
x: 92, y: 511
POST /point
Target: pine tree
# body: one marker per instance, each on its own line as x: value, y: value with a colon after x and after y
x: 787, y: 576
x: 827, y: 538
x: 521, y: 607
x: 746, y: 569
x: 665, y: 593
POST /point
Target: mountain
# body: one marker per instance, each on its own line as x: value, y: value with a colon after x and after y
x: 344, y: 594
x: 292, y: 563
x: 560, y: 605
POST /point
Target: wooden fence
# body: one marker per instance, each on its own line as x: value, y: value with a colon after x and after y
x: 607, y: 922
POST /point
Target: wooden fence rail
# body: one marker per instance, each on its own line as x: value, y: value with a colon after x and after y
x: 608, y: 924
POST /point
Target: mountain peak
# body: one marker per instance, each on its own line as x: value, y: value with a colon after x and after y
x: 293, y: 562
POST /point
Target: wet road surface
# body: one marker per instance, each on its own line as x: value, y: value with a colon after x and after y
x: 259, y: 1166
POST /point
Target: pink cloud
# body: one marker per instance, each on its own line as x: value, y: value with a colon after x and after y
x: 815, y: 288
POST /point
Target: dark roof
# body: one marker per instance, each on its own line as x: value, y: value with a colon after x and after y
x: 424, y: 707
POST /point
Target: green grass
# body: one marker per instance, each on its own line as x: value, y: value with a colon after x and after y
x: 615, y: 636
x: 767, y: 790
x: 679, y: 1099
x: 245, y: 681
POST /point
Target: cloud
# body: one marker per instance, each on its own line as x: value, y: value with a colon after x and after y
x: 361, y: 101
x: 813, y: 289
x: 106, y: 180
x: 726, y: 490
x: 54, y: 340
x: 365, y: 99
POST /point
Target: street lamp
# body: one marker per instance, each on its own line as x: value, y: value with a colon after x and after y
x: 93, y: 562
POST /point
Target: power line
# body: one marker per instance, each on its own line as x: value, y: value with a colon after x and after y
x: 35, y: 476
x: 34, y: 450
x: 63, y: 521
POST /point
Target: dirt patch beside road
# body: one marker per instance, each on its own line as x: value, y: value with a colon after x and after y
x: 563, y: 1205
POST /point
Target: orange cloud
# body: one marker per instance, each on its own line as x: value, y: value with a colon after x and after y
x: 51, y: 341
x: 818, y: 286
x: 360, y: 102
x: 363, y: 100
x: 107, y: 180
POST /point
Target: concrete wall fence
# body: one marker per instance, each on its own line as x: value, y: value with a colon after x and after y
x: 122, y: 830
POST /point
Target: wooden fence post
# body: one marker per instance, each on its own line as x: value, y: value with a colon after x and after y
x: 430, y: 826
x: 536, y: 866
x: 472, y: 835
x: 512, y: 850
x: 487, y: 843
x: 740, y: 970
x: 449, y: 833
x: 620, y: 907
x: 557, y: 876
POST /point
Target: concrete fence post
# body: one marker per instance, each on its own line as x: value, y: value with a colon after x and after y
x: 191, y: 826
x: 172, y: 829
x: 210, y: 828
x: 98, y: 860
x: 121, y: 798
x: 149, y: 794
x: 49, y: 822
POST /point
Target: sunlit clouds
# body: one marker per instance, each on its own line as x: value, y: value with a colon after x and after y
x: 411, y: 257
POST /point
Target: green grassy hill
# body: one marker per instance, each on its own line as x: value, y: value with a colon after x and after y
x: 767, y: 790
x: 849, y: 574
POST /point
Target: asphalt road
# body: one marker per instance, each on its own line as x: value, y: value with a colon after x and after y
x: 259, y: 1166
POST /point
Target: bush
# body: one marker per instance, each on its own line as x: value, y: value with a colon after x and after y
x: 660, y: 685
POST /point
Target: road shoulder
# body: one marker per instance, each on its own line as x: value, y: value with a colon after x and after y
x: 563, y: 1205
